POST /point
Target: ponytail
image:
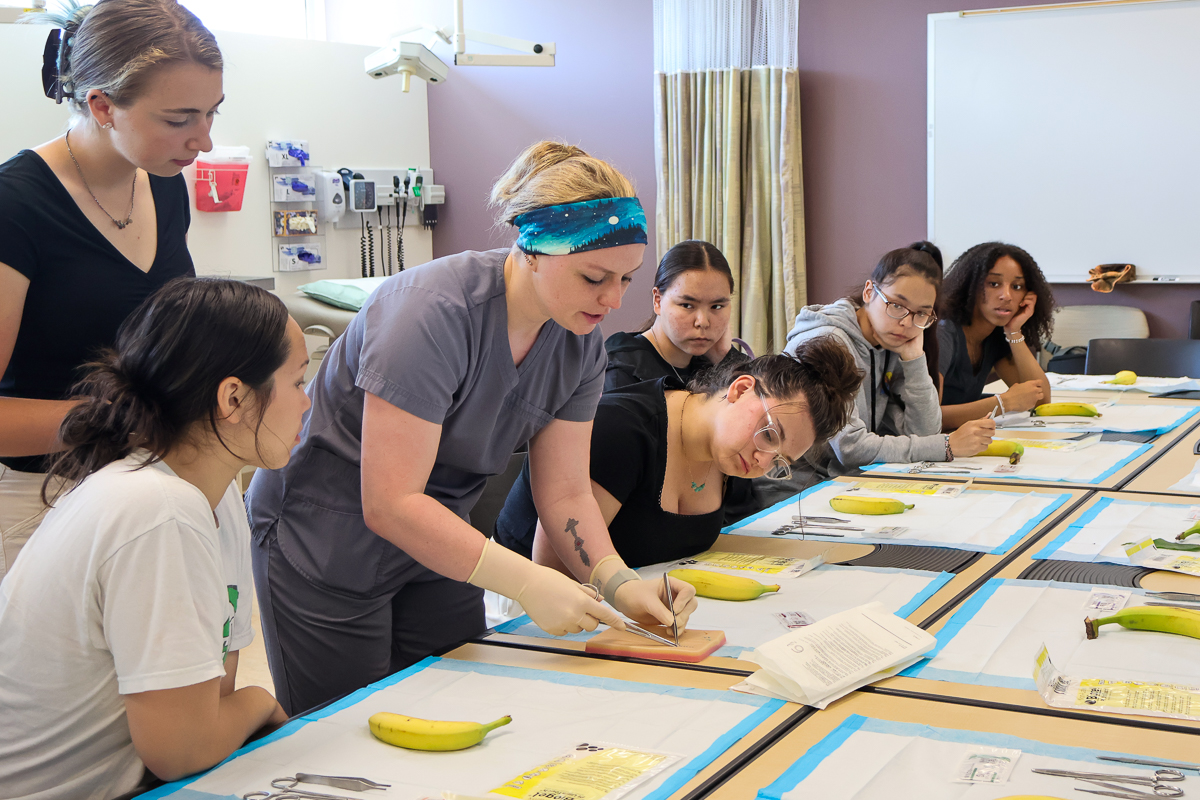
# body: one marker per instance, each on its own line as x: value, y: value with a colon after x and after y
x: 161, y: 379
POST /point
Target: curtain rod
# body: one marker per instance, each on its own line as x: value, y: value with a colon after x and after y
x: 1060, y: 7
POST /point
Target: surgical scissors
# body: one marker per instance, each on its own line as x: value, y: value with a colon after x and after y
x: 288, y: 791
x: 1108, y: 780
x: 1159, y: 790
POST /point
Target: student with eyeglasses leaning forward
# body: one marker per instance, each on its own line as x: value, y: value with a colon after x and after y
x: 891, y: 330
x: 663, y: 457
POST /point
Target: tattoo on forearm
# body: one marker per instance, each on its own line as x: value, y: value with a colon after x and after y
x: 583, y: 556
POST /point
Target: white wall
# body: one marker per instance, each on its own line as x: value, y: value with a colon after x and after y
x: 275, y: 89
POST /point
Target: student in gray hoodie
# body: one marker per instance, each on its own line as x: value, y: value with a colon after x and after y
x: 891, y: 332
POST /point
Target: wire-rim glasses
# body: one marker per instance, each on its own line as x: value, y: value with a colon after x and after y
x: 768, y: 440
x: 921, y: 319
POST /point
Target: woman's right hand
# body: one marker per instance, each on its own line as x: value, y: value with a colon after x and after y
x: 972, y: 438
x: 912, y: 349
x: 1023, y: 396
x: 560, y: 605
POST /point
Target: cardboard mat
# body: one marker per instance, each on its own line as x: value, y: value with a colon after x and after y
x: 552, y: 713
x: 994, y: 639
x: 817, y: 594
x: 980, y: 520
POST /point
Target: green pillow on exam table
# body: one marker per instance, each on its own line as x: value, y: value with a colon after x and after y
x: 350, y: 294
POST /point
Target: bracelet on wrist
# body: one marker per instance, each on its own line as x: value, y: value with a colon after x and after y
x: 1000, y: 402
x: 949, y: 452
x: 1020, y: 338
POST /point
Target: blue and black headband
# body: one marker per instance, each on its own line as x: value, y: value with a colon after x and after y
x: 577, y: 227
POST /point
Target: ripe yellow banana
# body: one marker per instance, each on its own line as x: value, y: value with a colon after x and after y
x: 1194, y: 529
x: 720, y: 586
x: 1066, y: 410
x: 1124, y: 378
x: 1163, y: 619
x: 849, y: 504
x: 429, y: 734
x: 1005, y: 448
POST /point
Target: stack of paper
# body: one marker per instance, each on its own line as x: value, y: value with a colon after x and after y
x: 819, y: 663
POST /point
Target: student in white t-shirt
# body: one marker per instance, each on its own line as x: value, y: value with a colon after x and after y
x: 121, y: 621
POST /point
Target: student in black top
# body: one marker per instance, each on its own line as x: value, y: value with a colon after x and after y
x: 996, y: 312
x: 690, y: 329
x: 688, y: 334
x: 663, y: 457
x: 92, y: 222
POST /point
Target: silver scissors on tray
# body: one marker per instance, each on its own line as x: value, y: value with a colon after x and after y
x: 1157, y: 781
x: 287, y: 787
x: 632, y: 627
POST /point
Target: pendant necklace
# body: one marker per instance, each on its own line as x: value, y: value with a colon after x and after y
x: 121, y: 225
x: 696, y: 487
x: 669, y: 364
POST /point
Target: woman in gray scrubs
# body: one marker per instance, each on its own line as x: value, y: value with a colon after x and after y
x: 364, y: 559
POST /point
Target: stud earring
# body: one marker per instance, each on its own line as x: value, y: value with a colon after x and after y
x: 107, y: 126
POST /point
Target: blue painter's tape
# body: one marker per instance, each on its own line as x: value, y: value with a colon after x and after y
x: 777, y: 507
x: 920, y: 597
x: 1004, y: 546
x: 960, y: 618
x: 804, y: 766
x: 1073, y: 530
x: 1120, y: 464
x: 714, y: 751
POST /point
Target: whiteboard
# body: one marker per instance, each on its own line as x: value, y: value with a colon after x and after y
x: 1071, y: 132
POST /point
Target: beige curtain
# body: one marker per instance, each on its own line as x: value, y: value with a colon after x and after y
x: 728, y: 148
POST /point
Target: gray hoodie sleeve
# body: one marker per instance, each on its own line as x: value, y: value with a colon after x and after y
x: 917, y: 427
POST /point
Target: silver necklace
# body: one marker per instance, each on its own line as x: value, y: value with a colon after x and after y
x: 132, y: 192
x: 669, y: 364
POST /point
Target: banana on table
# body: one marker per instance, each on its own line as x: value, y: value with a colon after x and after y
x: 874, y: 506
x: 413, y: 733
x: 1163, y: 619
x: 719, y: 586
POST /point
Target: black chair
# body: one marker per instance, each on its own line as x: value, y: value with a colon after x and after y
x: 1194, y: 322
x: 1158, y: 358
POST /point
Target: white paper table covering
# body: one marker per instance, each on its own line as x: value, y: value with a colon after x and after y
x: 986, y: 521
x: 871, y: 759
x: 1100, y: 532
x: 1118, y: 418
x: 551, y: 711
x: 826, y: 590
x: 1097, y: 383
x: 1089, y: 465
x: 993, y: 640
x: 1190, y: 482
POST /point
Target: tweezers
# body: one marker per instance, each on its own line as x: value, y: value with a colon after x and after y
x: 340, y: 782
x: 632, y: 627
x: 671, y: 605
x: 819, y: 520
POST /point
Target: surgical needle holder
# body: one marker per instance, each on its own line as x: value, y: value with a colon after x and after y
x: 287, y: 787
x: 632, y: 627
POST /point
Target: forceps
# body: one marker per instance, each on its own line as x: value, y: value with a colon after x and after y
x: 632, y: 627
x: 929, y: 466
x: 287, y: 790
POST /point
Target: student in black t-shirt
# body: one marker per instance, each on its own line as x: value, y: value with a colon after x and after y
x: 997, y: 309
x: 92, y: 222
x: 690, y: 329
x: 663, y: 457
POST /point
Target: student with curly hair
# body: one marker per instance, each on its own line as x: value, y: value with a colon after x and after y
x: 996, y: 312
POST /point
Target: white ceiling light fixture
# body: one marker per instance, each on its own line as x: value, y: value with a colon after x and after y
x: 405, y: 57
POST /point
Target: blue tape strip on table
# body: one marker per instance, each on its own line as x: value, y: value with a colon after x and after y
x: 178, y: 790
x: 524, y: 626
x: 923, y: 669
x: 805, y: 765
x: 999, y: 549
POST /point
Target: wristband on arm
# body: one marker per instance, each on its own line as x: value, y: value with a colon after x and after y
x: 615, y: 581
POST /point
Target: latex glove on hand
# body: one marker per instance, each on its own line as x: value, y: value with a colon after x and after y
x: 643, y: 601
x: 557, y: 604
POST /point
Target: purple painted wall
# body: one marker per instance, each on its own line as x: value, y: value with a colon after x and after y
x: 599, y: 96
x: 862, y: 83
x: 862, y: 90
